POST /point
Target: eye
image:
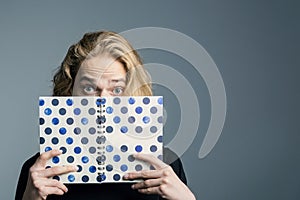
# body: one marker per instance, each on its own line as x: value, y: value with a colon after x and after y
x: 117, y: 90
x: 89, y: 89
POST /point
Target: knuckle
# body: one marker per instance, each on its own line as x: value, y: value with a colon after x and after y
x: 166, y: 172
x: 34, y: 174
x: 165, y: 181
x: 144, y: 173
x: 162, y: 189
x: 147, y: 183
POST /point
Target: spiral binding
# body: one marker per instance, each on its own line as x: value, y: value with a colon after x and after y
x: 101, y: 139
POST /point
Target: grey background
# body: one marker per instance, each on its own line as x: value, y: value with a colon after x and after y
x: 255, y: 45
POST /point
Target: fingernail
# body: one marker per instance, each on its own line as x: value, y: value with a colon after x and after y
x: 76, y: 168
x: 125, y: 176
x: 132, y: 186
x: 60, y: 151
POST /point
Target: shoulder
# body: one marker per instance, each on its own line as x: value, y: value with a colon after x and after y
x: 24, y: 176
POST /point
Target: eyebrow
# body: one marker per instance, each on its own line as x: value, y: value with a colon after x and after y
x: 92, y: 80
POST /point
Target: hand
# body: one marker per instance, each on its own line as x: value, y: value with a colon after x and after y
x: 40, y: 184
x: 162, y: 180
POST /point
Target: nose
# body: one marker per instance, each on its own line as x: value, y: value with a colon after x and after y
x: 105, y: 93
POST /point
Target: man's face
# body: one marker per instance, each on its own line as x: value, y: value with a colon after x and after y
x: 100, y: 76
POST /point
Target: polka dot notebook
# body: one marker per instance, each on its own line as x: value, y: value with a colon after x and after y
x: 99, y: 135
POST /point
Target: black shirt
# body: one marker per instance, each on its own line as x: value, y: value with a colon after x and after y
x: 113, y: 191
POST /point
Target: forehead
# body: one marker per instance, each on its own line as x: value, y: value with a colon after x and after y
x: 102, y: 67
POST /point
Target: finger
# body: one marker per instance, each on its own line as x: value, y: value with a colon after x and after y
x: 147, y: 183
x: 44, y: 157
x: 58, y: 170
x: 145, y: 174
x: 43, y: 184
x: 51, y: 190
x: 155, y: 162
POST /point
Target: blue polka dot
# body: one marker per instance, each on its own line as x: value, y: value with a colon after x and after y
x: 70, y: 121
x: 124, y: 168
x: 69, y: 140
x: 101, y: 177
x: 131, y: 100
x: 62, y: 111
x: 138, y: 167
x: 101, y: 119
x: 77, y: 150
x: 109, y: 168
x: 131, y: 158
x: 71, y: 178
x: 124, y: 148
x: 109, y: 110
x: 55, y: 140
x: 116, y: 158
x: 84, y: 140
x: 92, y: 130
x: 55, y: 102
x: 42, y: 121
x: 63, y: 149
x: 84, y: 121
x: 92, y: 111
x: 103, y: 101
x: 56, y: 178
x: 77, y: 111
x: 160, y: 138
x: 85, y: 159
x: 117, y: 119
x: 85, y: 178
x: 48, y: 130
x: 153, y: 148
x: 138, y: 148
x: 124, y: 110
x: 101, y: 158
x: 41, y: 102
x: 131, y: 119
x: 124, y: 129
x: 160, y: 100
x: 69, y: 102
x: 138, y: 110
x: 116, y: 177
x: 62, y: 131
x: 160, y: 119
x: 160, y: 157
x: 55, y: 121
x: 77, y: 130
x: 146, y: 100
x: 84, y: 102
x: 138, y: 129
x: 109, y: 129
x: 117, y: 100
x: 70, y: 159
x: 48, y: 149
x: 92, y: 150
x: 79, y: 168
x: 48, y: 111
x: 42, y: 140
x: 92, y: 169
x: 109, y: 148
x: 153, y: 110
x: 55, y: 159
x: 146, y: 119
x: 98, y: 102
x: 153, y: 129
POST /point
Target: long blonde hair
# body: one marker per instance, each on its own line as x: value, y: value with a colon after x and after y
x: 138, y: 81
